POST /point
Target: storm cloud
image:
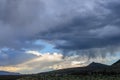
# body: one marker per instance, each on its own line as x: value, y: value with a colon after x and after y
x: 84, y: 27
x: 92, y: 28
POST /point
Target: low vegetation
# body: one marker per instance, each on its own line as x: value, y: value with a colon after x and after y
x: 73, y: 77
x: 11, y: 77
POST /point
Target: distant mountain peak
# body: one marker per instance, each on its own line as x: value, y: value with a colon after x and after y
x: 8, y: 73
x: 93, y: 63
x: 96, y: 65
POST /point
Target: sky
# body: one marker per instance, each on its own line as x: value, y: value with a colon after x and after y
x: 44, y: 35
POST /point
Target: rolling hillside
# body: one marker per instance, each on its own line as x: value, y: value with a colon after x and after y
x: 8, y: 73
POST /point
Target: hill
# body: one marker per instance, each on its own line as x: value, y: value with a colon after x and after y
x: 91, y: 68
x: 97, y: 65
x: 115, y: 68
x: 8, y: 73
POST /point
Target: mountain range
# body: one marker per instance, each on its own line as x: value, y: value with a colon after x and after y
x: 93, y: 68
x: 8, y: 73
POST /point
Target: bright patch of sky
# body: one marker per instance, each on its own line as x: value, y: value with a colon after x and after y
x: 48, y: 47
x: 114, y: 58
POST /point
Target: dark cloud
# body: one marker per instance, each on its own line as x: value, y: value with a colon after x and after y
x: 74, y: 25
x: 19, y: 21
x: 97, y: 29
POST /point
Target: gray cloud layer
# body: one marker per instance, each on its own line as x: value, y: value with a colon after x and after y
x: 91, y: 25
x: 72, y: 25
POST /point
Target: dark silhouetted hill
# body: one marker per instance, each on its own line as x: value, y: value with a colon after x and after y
x: 91, y: 68
x: 94, y: 65
x: 115, y: 68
